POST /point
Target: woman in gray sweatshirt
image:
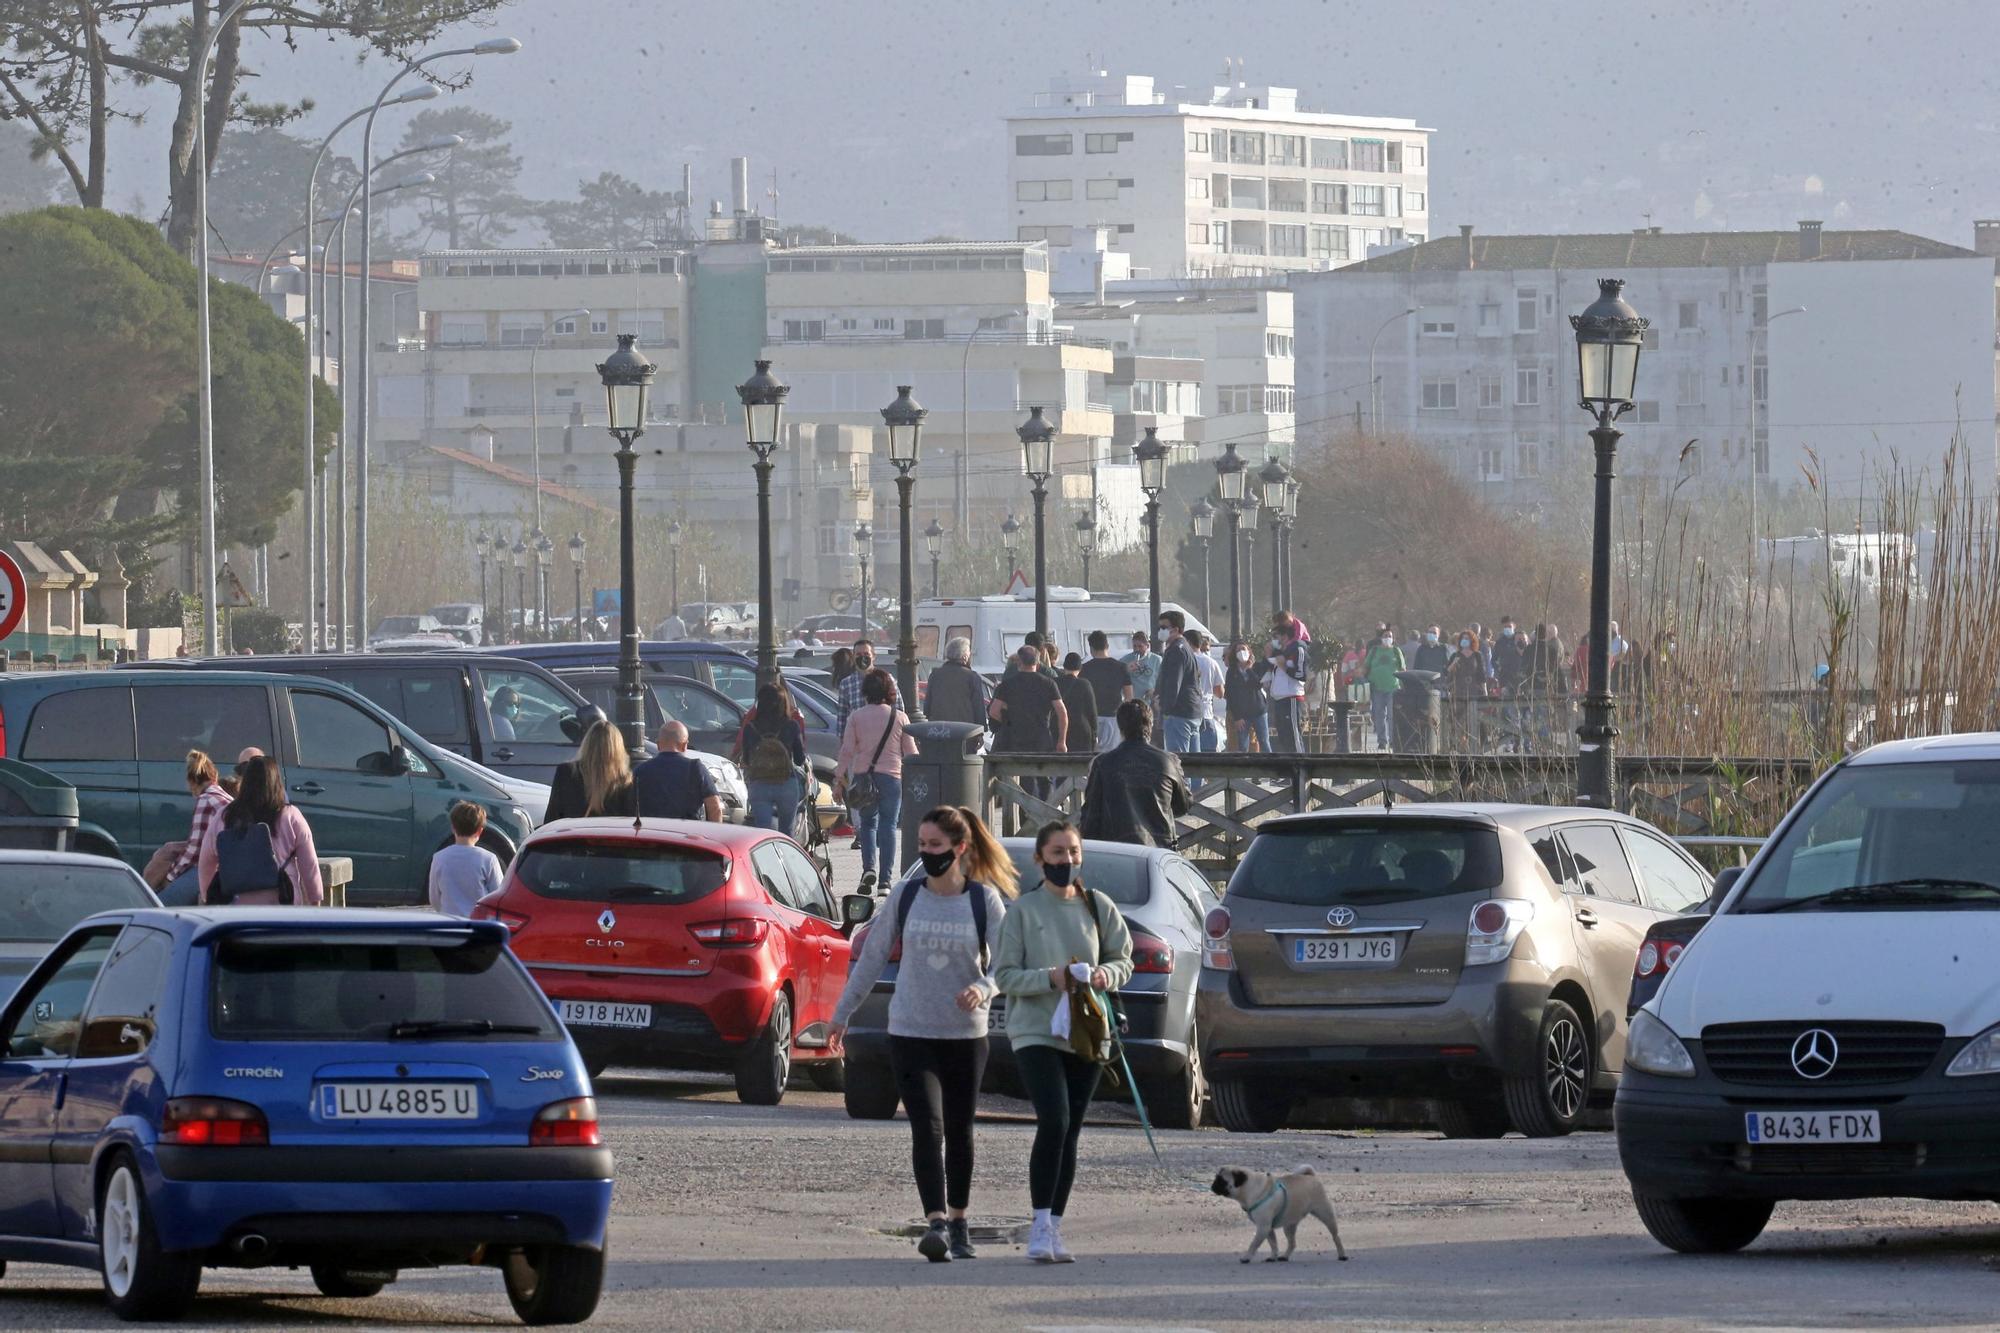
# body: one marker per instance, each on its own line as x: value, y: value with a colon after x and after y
x: 937, y: 1017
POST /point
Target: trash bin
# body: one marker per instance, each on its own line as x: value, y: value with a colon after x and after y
x: 37, y: 809
x: 1417, y: 712
x: 947, y: 769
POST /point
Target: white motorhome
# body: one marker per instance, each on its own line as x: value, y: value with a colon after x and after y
x: 998, y: 625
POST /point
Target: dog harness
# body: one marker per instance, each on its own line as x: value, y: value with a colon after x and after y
x: 1278, y: 1188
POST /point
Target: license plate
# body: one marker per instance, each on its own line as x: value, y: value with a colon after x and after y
x: 1344, y: 950
x: 1812, y: 1127
x: 606, y: 1014
x: 398, y: 1101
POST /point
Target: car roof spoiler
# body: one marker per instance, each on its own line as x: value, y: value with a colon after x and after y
x: 413, y: 929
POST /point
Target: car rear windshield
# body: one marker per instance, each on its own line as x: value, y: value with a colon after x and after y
x: 39, y: 903
x: 1122, y: 879
x: 1362, y: 861
x: 620, y: 872
x: 344, y: 986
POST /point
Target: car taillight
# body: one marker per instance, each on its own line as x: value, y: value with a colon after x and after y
x: 1150, y: 953
x: 1489, y: 918
x: 213, y: 1122
x: 1493, y: 927
x: 1672, y: 954
x: 566, y: 1124
x: 1216, y: 951
x: 1648, y: 960
x: 512, y: 920
x: 736, y: 933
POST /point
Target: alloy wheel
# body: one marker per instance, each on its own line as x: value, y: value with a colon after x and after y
x: 119, y: 1231
x: 781, y: 1043
x: 1565, y: 1068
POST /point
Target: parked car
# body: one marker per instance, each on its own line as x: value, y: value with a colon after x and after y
x: 43, y: 894
x: 370, y: 786
x: 681, y: 944
x: 714, y: 617
x: 1834, y: 1030
x: 354, y: 1093
x: 1667, y: 939
x: 1477, y: 955
x: 839, y: 629
x: 464, y: 621
x: 404, y: 627
x: 1165, y: 901
x: 721, y: 665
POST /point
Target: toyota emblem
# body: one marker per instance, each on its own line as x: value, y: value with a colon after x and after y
x: 1340, y: 916
x: 605, y: 921
x: 1814, y: 1053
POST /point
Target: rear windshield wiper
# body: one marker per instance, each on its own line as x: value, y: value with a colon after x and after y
x: 1917, y: 891
x: 458, y: 1027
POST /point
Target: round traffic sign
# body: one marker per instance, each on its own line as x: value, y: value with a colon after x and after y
x: 13, y: 595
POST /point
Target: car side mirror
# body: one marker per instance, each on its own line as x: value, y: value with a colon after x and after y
x: 1725, y: 880
x: 855, y: 909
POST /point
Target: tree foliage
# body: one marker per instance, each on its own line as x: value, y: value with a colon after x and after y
x: 26, y: 181
x: 257, y: 190
x: 474, y: 204
x: 610, y: 211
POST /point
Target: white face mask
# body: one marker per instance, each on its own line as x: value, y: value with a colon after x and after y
x: 1242, y: 654
x: 1388, y: 641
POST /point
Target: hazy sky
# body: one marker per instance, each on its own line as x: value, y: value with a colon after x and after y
x: 884, y: 118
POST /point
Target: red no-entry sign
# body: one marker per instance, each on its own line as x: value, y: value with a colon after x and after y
x: 13, y: 595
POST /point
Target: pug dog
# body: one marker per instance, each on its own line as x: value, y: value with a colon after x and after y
x: 1278, y: 1203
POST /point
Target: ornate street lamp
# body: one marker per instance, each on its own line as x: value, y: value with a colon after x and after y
x: 1010, y: 543
x: 1151, y: 456
x: 576, y: 564
x: 1229, y: 490
x: 674, y: 535
x: 934, y: 543
x: 763, y: 400
x: 1274, y: 479
x: 628, y: 383
x: 905, y: 420
x: 520, y: 556
x: 864, y: 546
x: 479, y: 541
x: 545, y: 551
x: 1038, y: 448
x: 1608, y: 337
x: 1203, y: 515
x: 1291, y: 519
x: 1086, y: 542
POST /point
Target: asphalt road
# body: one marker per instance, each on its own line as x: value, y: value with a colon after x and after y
x: 730, y: 1216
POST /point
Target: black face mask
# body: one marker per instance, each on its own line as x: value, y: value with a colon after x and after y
x: 938, y: 863
x: 1059, y: 875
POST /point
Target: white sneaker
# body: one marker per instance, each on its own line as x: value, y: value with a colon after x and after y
x: 1040, y: 1246
x: 1056, y: 1247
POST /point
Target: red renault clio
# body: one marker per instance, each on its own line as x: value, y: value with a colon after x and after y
x: 683, y: 944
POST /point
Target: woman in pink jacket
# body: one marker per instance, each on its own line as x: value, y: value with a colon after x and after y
x: 260, y: 799
x: 876, y: 738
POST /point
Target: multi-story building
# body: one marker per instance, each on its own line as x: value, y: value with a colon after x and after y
x: 1853, y: 345
x: 1218, y: 180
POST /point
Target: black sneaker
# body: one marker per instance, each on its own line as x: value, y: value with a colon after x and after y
x: 867, y: 880
x: 961, y: 1239
x: 934, y: 1245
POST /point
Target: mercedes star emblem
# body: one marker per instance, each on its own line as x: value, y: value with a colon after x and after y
x: 605, y: 921
x: 1814, y: 1053
x: 1340, y: 916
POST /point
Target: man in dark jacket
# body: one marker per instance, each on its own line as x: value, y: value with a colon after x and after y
x: 955, y: 692
x: 1180, y: 688
x: 1080, y: 701
x: 1135, y: 791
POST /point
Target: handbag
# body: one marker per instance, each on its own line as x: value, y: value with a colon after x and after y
x: 863, y: 793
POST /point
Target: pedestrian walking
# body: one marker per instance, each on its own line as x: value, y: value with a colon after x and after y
x: 839, y: 667
x: 848, y: 693
x: 174, y: 872
x: 938, y: 1014
x: 1142, y: 664
x: 955, y: 692
x: 1059, y: 939
x: 1079, y: 702
x: 1545, y: 685
x: 1465, y: 687
x: 771, y: 748
x: 1381, y: 665
x: 1510, y: 665
x: 1110, y: 682
x: 1431, y: 654
x: 869, y: 772
x: 675, y: 785
x: 1028, y: 714
x: 597, y: 782
x: 463, y: 872
x: 1286, y: 684
x: 1245, y: 703
x: 1135, y: 791
x: 1180, y: 686
x: 1213, y: 704
x: 261, y: 851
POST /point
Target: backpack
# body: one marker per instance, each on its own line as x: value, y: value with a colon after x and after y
x: 245, y: 862
x: 770, y: 759
x: 909, y: 900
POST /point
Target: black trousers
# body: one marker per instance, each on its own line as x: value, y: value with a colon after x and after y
x: 939, y: 1083
x: 1060, y: 1085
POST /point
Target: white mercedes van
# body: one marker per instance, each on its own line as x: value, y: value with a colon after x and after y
x: 1834, y: 1031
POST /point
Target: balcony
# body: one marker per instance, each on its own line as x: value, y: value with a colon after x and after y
x: 982, y: 338
x: 593, y: 346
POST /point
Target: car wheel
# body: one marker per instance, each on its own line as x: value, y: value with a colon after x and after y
x: 1247, y: 1107
x: 1703, y: 1226
x: 595, y: 1065
x: 1550, y: 1100
x: 827, y: 1075
x: 554, y: 1284
x: 338, y: 1282
x: 140, y: 1280
x: 762, y: 1069
x: 869, y: 1090
x: 1177, y: 1101
x: 1480, y: 1118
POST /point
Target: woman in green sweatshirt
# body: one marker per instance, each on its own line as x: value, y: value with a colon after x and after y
x: 1044, y: 933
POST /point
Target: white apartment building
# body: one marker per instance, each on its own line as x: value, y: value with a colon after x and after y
x: 1854, y: 345
x: 1216, y: 180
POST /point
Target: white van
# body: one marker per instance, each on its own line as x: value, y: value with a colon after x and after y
x: 998, y: 625
x: 1834, y: 1031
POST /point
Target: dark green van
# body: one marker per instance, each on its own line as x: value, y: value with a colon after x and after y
x: 372, y: 789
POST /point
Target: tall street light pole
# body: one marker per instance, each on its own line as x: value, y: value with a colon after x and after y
x: 479, y: 549
x: 1086, y: 542
x: 1285, y: 547
x: 628, y: 382
x: 934, y: 543
x: 520, y: 555
x: 675, y: 533
x: 1608, y: 337
x: 1151, y: 456
x: 544, y: 555
x: 1038, y: 446
x: 763, y: 399
x: 1010, y: 544
x: 535, y: 398
x: 495, y: 46
x: 1229, y: 489
x: 864, y: 546
x: 1758, y: 461
x: 576, y: 565
x: 1375, y: 385
x: 1203, y: 515
x: 905, y: 420
x: 1273, y: 477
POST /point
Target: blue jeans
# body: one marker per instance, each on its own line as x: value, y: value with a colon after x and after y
x: 1285, y: 726
x: 184, y: 889
x: 1183, y: 734
x: 881, y: 827
x: 1383, y: 704
x: 1258, y: 725
x: 773, y: 805
x: 1210, y: 737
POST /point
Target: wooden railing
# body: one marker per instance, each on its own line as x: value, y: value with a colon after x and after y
x: 1235, y: 792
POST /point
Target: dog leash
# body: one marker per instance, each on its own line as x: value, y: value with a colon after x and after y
x: 1138, y: 1101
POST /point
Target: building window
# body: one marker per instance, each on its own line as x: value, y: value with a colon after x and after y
x: 1761, y: 448
x: 1044, y: 145
x: 1232, y: 398
x: 1489, y: 391
x: 650, y: 328
x: 1288, y: 242
x: 1246, y: 192
x: 1366, y: 201
x: 1197, y: 233
x: 1413, y: 201
x: 923, y: 330
x: 1649, y: 410
x: 1368, y: 154
x: 1690, y: 313
x: 1392, y: 156
x: 1690, y: 389
x: 1440, y: 328
x: 1100, y: 189
x: 1329, y: 198
x: 1760, y: 381
x: 1278, y: 398
x: 884, y: 324
x: 1492, y: 463
x: 1053, y: 235
x: 1527, y: 458
x: 563, y: 326
x: 1105, y: 143
x: 1440, y: 394
x: 1329, y: 242
x: 1197, y: 187
x: 849, y: 325
x: 1527, y: 311
x: 1246, y: 146
x: 1393, y: 200
x: 1197, y: 141
x: 1650, y: 340
x: 1288, y: 150
x: 1414, y: 157
x: 1277, y: 344
x: 1489, y: 317
x: 1329, y: 154
x: 1288, y: 196
x: 1760, y: 306
x: 1035, y: 192
x: 1527, y: 386
x: 805, y: 330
